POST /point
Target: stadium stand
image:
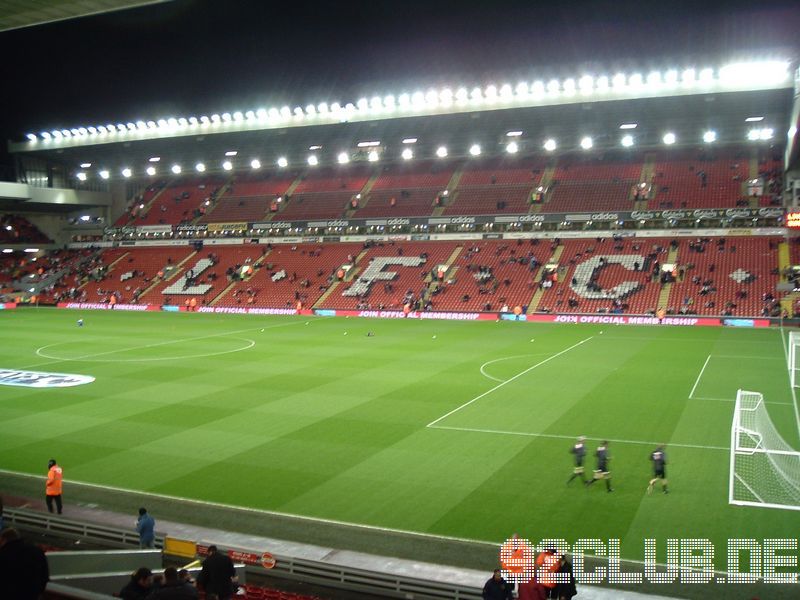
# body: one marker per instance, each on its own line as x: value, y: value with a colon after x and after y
x: 179, y: 203
x: 319, y: 205
x: 697, y: 179
x: 344, y: 178
x: 248, y: 198
x: 409, y: 281
x: 492, y: 275
x: 496, y: 186
x: 567, y: 295
x: 133, y: 270
x: 735, y: 276
x: 407, y: 190
x: 138, y: 203
x: 588, y: 184
x: 308, y: 270
x: 16, y: 229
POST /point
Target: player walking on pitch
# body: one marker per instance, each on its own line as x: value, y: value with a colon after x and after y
x: 602, y: 471
x: 659, y: 459
x: 578, y: 450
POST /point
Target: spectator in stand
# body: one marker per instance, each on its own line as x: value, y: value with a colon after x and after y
x: 55, y: 477
x: 497, y: 588
x: 145, y: 527
x: 23, y: 568
x: 173, y: 588
x: 217, y: 575
x: 139, y: 586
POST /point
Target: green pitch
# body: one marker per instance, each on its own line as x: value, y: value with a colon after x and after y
x: 310, y: 416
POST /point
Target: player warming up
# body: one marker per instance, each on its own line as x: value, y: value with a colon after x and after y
x: 659, y: 459
x: 602, y: 471
x: 578, y: 451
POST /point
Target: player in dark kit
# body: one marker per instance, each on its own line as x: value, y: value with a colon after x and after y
x: 578, y: 450
x: 601, y: 471
x: 659, y: 458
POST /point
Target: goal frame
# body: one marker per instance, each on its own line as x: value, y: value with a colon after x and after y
x: 736, y: 450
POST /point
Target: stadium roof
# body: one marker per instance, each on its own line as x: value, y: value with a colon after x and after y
x: 16, y: 14
x: 733, y: 117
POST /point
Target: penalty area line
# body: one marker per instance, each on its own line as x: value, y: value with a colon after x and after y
x: 556, y: 436
x: 502, y: 383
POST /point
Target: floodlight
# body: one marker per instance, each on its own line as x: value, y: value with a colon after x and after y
x: 407, y: 154
x: 227, y: 165
x: 476, y: 94
x: 512, y: 147
x: 86, y: 165
x: 550, y: 145
x: 553, y: 86
x: 57, y: 134
x: 441, y: 151
x: 238, y: 116
x: 262, y: 114
x: 754, y: 119
x: 506, y: 92
x: 475, y: 150
x: 710, y: 136
x: 522, y: 89
x: 226, y: 117
x: 706, y: 76
x: 669, y: 138
x: 126, y: 172
x: 154, y: 159
x: 176, y: 169
x: 151, y: 170
x: 602, y: 83
x: 514, y: 133
x: 91, y: 130
x: 373, y: 156
x: 587, y: 142
x: 45, y: 135
x: 569, y: 86
x: 343, y: 158
x: 286, y: 112
x: 537, y: 88
x: 200, y: 167
x: 636, y: 80
x: 432, y: 98
x: 619, y: 81
x: 491, y: 92
x: 322, y: 108
x: 81, y: 176
x: 231, y: 152
x: 654, y: 80
x: 298, y: 112
x: 362, y: 104
x: 183, y: 122
x: 671, y: 78
x: 418, y: 100
x: 586, y: 84
x: 629, y: 126
x: 313, y: 160
x: 404, y: 100
x: 282, y: 162
x: 389, y: 102
x: 31, y: 137
x: 462, y: 95
x: 376, y: 103
x: 627, y: 141
x: 410, y: 140
x: 104, y: 174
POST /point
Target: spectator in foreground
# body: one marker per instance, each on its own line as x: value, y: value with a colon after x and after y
x: 139, y: 586
x: 173, y: 588
x: 497, y: 588
x: 216, y: 577
x: 566, y: 590
x: 145, y: 527
x: 23, y: 567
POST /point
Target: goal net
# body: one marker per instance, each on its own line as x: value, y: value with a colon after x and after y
x: 793, y: 357
x: 764, y: 469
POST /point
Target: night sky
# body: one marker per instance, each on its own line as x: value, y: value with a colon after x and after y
x: 198, y: 56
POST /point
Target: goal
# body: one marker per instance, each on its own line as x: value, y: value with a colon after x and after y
x: 764, y: 469
x: 792, y: 358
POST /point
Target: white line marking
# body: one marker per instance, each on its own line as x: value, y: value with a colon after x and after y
x: 499, y: 385
x: 250, y: 344
x: 791, y: 387
x: 487, y: 363
x: 572, y: 437
x: 697, y: 381
x: 191, y: 339
x: 771, y: 403
x: 748, y: 357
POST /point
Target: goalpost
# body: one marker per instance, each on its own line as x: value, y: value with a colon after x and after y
x: 764, y: 469
x: 792, y: 358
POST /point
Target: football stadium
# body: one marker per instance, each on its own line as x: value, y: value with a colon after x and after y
x: 380, y: 343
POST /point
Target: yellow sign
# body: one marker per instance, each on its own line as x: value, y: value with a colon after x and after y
x: 182, y: 548
x: 227, y: 226
x: 793, y: 220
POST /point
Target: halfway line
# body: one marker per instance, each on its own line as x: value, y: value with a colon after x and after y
x: 499, y: 385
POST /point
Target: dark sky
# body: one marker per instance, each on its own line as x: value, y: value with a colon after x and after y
x: 198, y: 56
